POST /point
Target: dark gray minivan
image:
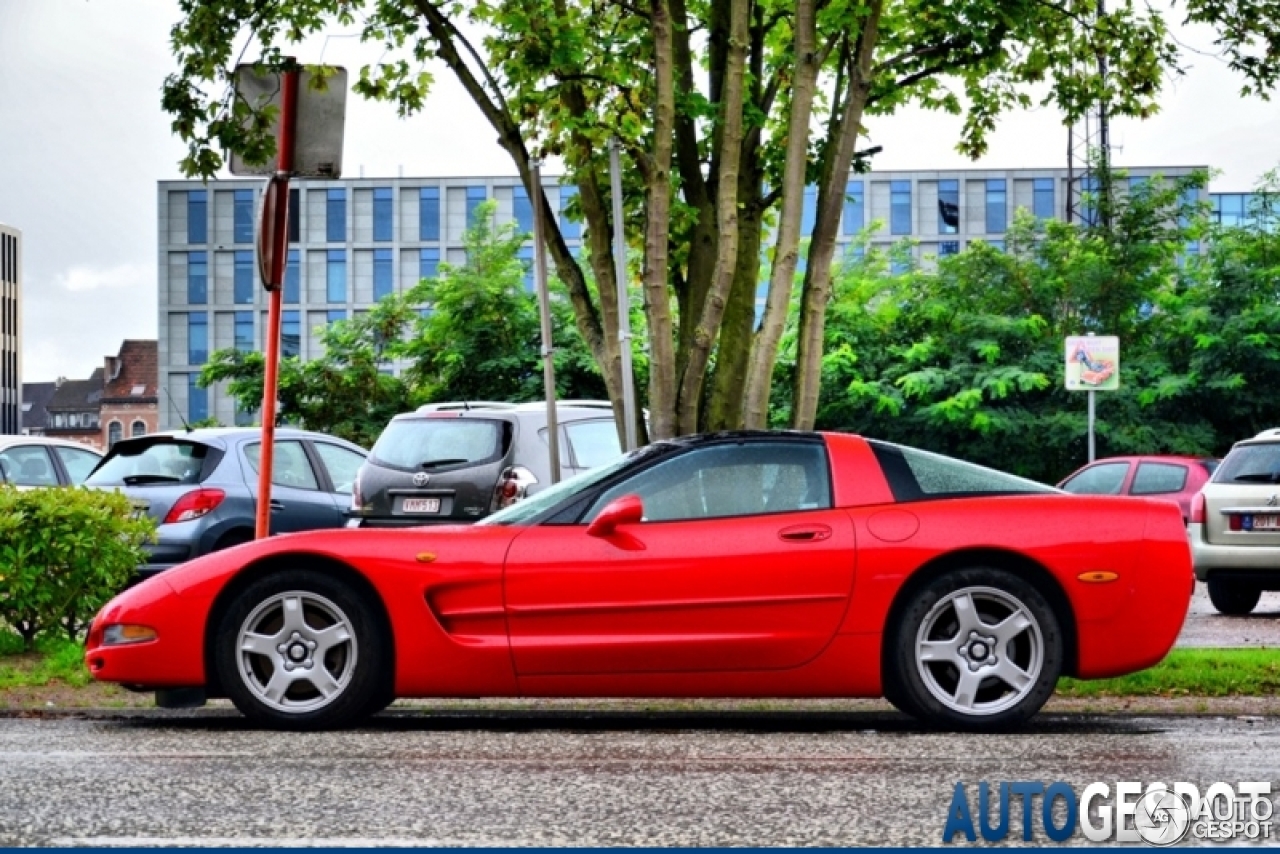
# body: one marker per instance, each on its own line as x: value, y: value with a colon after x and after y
x: 451, y: 463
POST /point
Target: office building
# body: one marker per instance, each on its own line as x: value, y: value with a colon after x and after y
x: 354, y: 240
x: 10, y: 330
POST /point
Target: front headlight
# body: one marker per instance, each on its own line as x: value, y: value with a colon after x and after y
x: 117, y: 634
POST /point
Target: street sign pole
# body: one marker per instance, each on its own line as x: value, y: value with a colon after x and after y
x: 1092, y: 444
x: 624, y: 301
x: 275, y: 240
x: 544, y: 309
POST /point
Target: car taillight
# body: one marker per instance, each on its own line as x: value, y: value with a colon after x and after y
x: 1197, y: 508
x: 512, y: 486
x: 194, y: 504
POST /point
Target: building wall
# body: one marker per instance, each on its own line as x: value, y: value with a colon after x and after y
x: 127, y: 415
x: 10, y: 330
x: 358, y: 239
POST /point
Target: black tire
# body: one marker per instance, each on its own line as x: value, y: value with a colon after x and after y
x: 1235, y: 598
x: 341, y: 676
x: 975, y: 673
x: 237, y: 537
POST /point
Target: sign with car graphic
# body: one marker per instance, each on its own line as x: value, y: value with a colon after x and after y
x: 1093, y: 363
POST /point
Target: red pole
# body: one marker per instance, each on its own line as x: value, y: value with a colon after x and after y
x: 279, y: 242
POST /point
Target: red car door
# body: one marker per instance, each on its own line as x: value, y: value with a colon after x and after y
x: 748, y: 591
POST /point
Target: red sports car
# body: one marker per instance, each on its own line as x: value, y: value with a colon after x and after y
x: 752, y: 564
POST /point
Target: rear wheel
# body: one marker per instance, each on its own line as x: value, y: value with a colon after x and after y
x: 977, y: 649
x: 1233, y: 597
x: 303, y: 650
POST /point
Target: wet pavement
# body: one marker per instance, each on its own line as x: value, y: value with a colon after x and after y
x: 1206, y: 627
x: 572, y: 778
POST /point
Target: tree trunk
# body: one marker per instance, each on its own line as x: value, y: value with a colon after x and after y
x: 711, y: 312
x: 786, y: 253
x: 835, y: 175
x: 662, y: 375
x: 733, y: 351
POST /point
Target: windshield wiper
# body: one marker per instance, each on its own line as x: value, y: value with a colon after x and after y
x: 1258, y: 477
x: 430, y: 464
x: 139, y: 479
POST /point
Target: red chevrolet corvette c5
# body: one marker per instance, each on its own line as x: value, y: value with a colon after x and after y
x: 750, y: 564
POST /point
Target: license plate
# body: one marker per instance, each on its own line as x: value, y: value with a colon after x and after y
x: 139, y: 509
x: 421, y: 505
x: 1261, y: 523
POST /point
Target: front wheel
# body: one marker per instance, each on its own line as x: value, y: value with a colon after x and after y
x: 1233, y: 597
x: 975, y: 649
x: 302, y: 650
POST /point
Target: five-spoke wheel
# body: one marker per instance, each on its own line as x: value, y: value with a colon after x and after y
x: 977, y: 649
x: 303, y: 650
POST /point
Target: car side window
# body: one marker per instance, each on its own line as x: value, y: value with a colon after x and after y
x: 594, y: 443
x: 342, y: 465
x: 77, y: 462
x: 29, y: 465
x: 729, y: 480
x: 289, y: 465
x: 1102, y: 479
x: 1157, y: 478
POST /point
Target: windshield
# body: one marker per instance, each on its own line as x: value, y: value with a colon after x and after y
x: 155, y: 462
x: 1250, y: 464
x: 531, y: 507
x: 424, y: 443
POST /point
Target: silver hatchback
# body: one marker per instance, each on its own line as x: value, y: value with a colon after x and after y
x: 201, y: 486
x: 1235, y: 525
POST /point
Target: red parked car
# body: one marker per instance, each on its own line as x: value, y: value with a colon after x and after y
x: 1172, y: 478
x: 748, y: 564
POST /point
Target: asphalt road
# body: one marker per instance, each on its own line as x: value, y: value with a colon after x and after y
x: 571, y: 778
x: 1206, y: 627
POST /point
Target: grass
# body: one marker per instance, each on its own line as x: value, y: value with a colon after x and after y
x: 55, y: 659
x: 1184, y: 673
x: 1191, y: 673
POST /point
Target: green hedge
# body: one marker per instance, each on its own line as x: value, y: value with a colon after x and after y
x: 64, y: 552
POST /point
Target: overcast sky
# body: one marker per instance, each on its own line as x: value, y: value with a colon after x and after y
x: 83, y: 143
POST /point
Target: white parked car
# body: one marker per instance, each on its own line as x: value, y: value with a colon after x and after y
x: 30, y: 461
x: 1235, y: 525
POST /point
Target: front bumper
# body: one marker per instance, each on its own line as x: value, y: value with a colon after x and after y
x: 174, y: 659
x: 1262, y: 562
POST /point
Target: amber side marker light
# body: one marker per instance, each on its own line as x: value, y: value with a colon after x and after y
x: 123, y: 633
x: 1097, y: 576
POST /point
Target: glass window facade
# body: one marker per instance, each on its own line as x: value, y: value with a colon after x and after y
x: 197, y: 338
x: 855, y: 209
x: 1042, y: 201
x: 571, y: 229
x: 242, y: 216
x: 295, y: 215
x: 293, y: 277
x: 899, y: 207
x: 336, y: 275
x: 291, y: 333
x: 244, y: 331
x: 198, y: 278
x: 475, y: 195
x: 197, y: 399
x: 997, y: 206
x: 1231, y: 210
x: 526, y: 258
x: 522, y: 209
x: 243, y: 277
x: 198, y: 216
x: 382, y: 220
x: 949, y: 206
x: 335, y: 212
x: 333, y: 316
x: 428, y: 263
x: 948, y: 247
x: 429, y: 213
x: 809, y: 211
x: 383, y: 278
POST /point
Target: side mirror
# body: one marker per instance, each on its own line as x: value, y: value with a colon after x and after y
x: 626, y: 510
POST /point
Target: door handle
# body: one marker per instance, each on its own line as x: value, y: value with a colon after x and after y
x: 805, y: 533
x: 276, y: 505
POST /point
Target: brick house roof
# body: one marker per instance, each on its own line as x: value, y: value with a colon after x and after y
x: 78, y: 395
x: 35, y: 400
x: 133, y: 376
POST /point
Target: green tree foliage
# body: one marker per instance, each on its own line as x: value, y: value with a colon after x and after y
x: 64, y: 552
x: 470, y: 333
x: 704, y: 98
x: 965, y: 356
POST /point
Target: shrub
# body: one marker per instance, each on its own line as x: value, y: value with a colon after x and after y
x: 64, y: 552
